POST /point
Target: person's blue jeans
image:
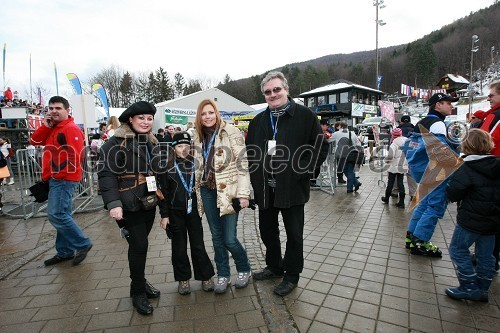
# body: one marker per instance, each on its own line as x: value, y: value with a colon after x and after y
x: 429, y: 210
x: 461, y: 241
x: 223, y: 229
x: 70, y: 237
x: 350, y: 175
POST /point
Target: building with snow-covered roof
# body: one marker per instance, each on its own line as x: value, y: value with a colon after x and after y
x: 180, y: 110
x: 343, y: 100
x: 452, y: 83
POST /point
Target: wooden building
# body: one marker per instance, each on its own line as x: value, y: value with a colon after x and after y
x: 452, y: 83
x: 343, y: 100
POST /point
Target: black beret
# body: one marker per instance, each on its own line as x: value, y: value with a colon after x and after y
x: 140, y: 107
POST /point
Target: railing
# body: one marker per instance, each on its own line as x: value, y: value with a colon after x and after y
x: 29, y: 172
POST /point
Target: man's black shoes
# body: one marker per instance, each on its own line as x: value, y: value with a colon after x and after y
x: 55, y: 260
x: 141, y: 303
x: 151, y: 292
x: 284, y: 288
x: 81, y: 255
x: 266, y: 274
x: 356, y: 187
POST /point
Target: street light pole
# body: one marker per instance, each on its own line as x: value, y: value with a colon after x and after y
x: 378, y: 4
x: 473, y: 49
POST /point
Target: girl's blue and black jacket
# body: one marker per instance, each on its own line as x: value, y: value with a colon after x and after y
x: 476, y: 188
x: 172, y: 188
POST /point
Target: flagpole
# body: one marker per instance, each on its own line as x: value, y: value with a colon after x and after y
x: 57, y: 83
x: 31, y: 86
x: 4, y: 51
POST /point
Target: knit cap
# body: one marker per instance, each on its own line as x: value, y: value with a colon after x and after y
x: 396, y: 132
x: 181, y: 137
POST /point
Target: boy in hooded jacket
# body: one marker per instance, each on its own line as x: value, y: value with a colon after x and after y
x: 475, y: 186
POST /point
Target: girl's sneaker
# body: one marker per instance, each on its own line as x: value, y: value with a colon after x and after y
x: 221, y: 285
x: 242, y: 279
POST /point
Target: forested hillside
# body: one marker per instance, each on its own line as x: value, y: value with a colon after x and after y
x: 420, y: 63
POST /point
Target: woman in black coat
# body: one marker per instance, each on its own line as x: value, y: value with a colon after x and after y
x: 125, y: 162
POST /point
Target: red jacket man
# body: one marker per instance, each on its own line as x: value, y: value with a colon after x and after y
x: 64, y: 143
x: 491, y: 118
x: 61, y: 166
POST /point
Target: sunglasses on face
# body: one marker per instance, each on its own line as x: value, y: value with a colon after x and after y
x: 275, y: 90
x: 473, y: 117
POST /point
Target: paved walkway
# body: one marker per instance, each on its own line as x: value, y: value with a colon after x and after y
x: 357, y: 278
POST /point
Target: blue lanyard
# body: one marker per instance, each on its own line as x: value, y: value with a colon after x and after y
x: 206, y: 149
x: 275, y: 129
x: 190, y: 188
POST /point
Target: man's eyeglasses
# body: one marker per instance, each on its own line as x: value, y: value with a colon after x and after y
x: 473, y: 117
x: 275, y: 90
x: 491, y: 95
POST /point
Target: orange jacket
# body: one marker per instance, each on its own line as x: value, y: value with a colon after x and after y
x: 63, y: 153
x: 491, y: 124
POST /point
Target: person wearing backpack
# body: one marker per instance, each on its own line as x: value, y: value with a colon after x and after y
x: 433, y: 205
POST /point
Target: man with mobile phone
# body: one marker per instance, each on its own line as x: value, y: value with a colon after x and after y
x: 62, y: 168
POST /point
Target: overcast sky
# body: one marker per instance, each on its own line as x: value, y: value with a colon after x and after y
x: 202, y: 39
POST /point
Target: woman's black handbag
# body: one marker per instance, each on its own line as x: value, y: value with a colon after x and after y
x: 40, y: 191
x: 149, y: 202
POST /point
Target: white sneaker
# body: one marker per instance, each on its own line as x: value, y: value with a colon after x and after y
x: 11, y: 182
x: 221, y: 285
x: 242, y: 279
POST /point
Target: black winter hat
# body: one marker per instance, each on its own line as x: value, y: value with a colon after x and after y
x: 405, y: 119
x: 140, y: 107
x: 181, y: 137
x: 441, y: 97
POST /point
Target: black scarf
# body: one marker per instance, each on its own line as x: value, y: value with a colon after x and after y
x: 208, y: 178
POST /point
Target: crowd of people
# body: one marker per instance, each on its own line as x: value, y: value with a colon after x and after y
x: 10, y: 99
x: 211, y: 169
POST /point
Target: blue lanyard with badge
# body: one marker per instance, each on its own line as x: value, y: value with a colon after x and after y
x: 189, y: 189
x: 271, y: 144
x: 150, y: 180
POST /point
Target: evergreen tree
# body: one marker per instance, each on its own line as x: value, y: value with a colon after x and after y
x: 163, y: 87
x: 126, y: 90
x: 192, y: 87
x: 421, y: 63
x: 179, y: 84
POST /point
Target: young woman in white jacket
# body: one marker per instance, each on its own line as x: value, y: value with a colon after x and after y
x: 398, y: 166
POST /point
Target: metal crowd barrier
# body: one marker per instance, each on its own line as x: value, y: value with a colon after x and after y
x: 327, y: 178
x: 29, y: 172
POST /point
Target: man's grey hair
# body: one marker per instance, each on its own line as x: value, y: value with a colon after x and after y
x: 274, y: 75
x: 495, y: 85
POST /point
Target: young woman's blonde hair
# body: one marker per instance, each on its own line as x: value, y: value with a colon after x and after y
x: 477, y: 142
x: 114, y: 122
x: 198, y: 126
